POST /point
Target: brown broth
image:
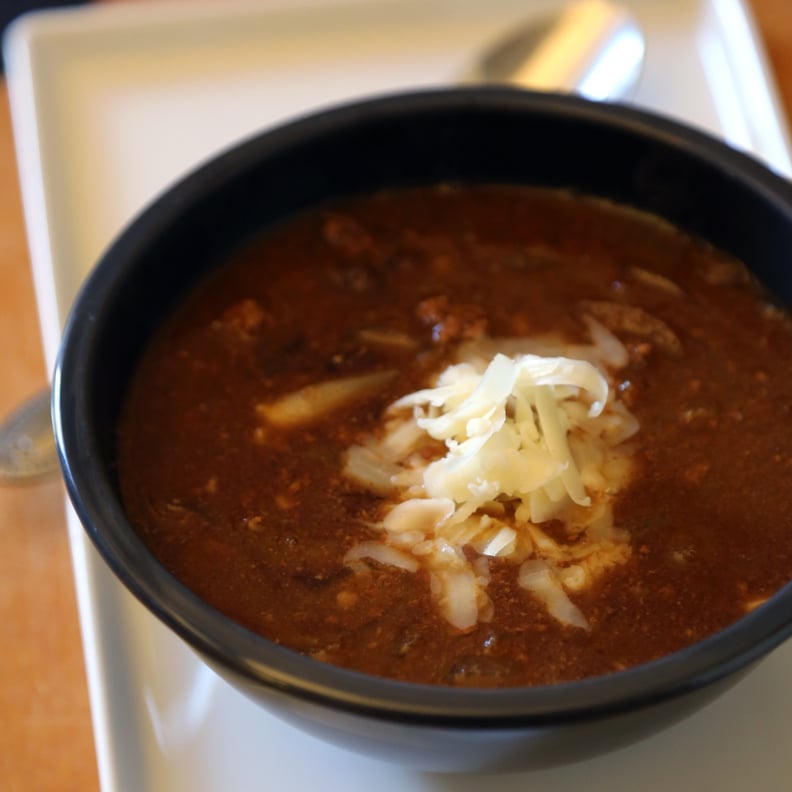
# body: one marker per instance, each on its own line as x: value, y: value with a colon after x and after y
x: 256, y: 520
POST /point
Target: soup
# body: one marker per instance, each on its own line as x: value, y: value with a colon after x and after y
x: 469, y: 435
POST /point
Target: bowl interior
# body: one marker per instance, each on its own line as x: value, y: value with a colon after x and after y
x: 480, y: 135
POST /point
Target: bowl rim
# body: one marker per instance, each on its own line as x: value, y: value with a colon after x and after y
x: 258, y: 661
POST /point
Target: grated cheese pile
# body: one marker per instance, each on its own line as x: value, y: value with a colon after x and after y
x: 473, y: 467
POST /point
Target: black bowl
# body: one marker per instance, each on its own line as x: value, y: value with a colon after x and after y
x: 492, y: 135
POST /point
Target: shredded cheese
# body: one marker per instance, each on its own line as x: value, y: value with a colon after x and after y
x: 528, y: 439
x: 506, y: 429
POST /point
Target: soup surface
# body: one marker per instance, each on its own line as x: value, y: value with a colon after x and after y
x: 257, y: 443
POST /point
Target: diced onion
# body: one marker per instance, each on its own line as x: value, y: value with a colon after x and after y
x: 313, y: 401
x: 370, y: 469
x: 500, y: 542
x: 536, y: 577
x: 457, y: 596
x: 418, y: 514
x: 382, y: 553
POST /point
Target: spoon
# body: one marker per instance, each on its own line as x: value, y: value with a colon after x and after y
x: 27, y: 445
x: 592, y: 47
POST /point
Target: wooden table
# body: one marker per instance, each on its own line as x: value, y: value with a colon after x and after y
x: 46, y: 741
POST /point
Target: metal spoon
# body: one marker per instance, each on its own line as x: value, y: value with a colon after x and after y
x: 592, y: 47
x: 27, y: 445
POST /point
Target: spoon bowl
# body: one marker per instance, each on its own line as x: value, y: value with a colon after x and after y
x: 592, y: 47
x: 27, y: 445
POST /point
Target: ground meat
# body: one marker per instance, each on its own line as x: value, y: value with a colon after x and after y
x: 451, y: 322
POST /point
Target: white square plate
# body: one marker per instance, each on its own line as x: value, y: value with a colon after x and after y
x: 110, y: 104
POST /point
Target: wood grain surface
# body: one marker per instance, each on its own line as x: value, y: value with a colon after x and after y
x: 46, y: 741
